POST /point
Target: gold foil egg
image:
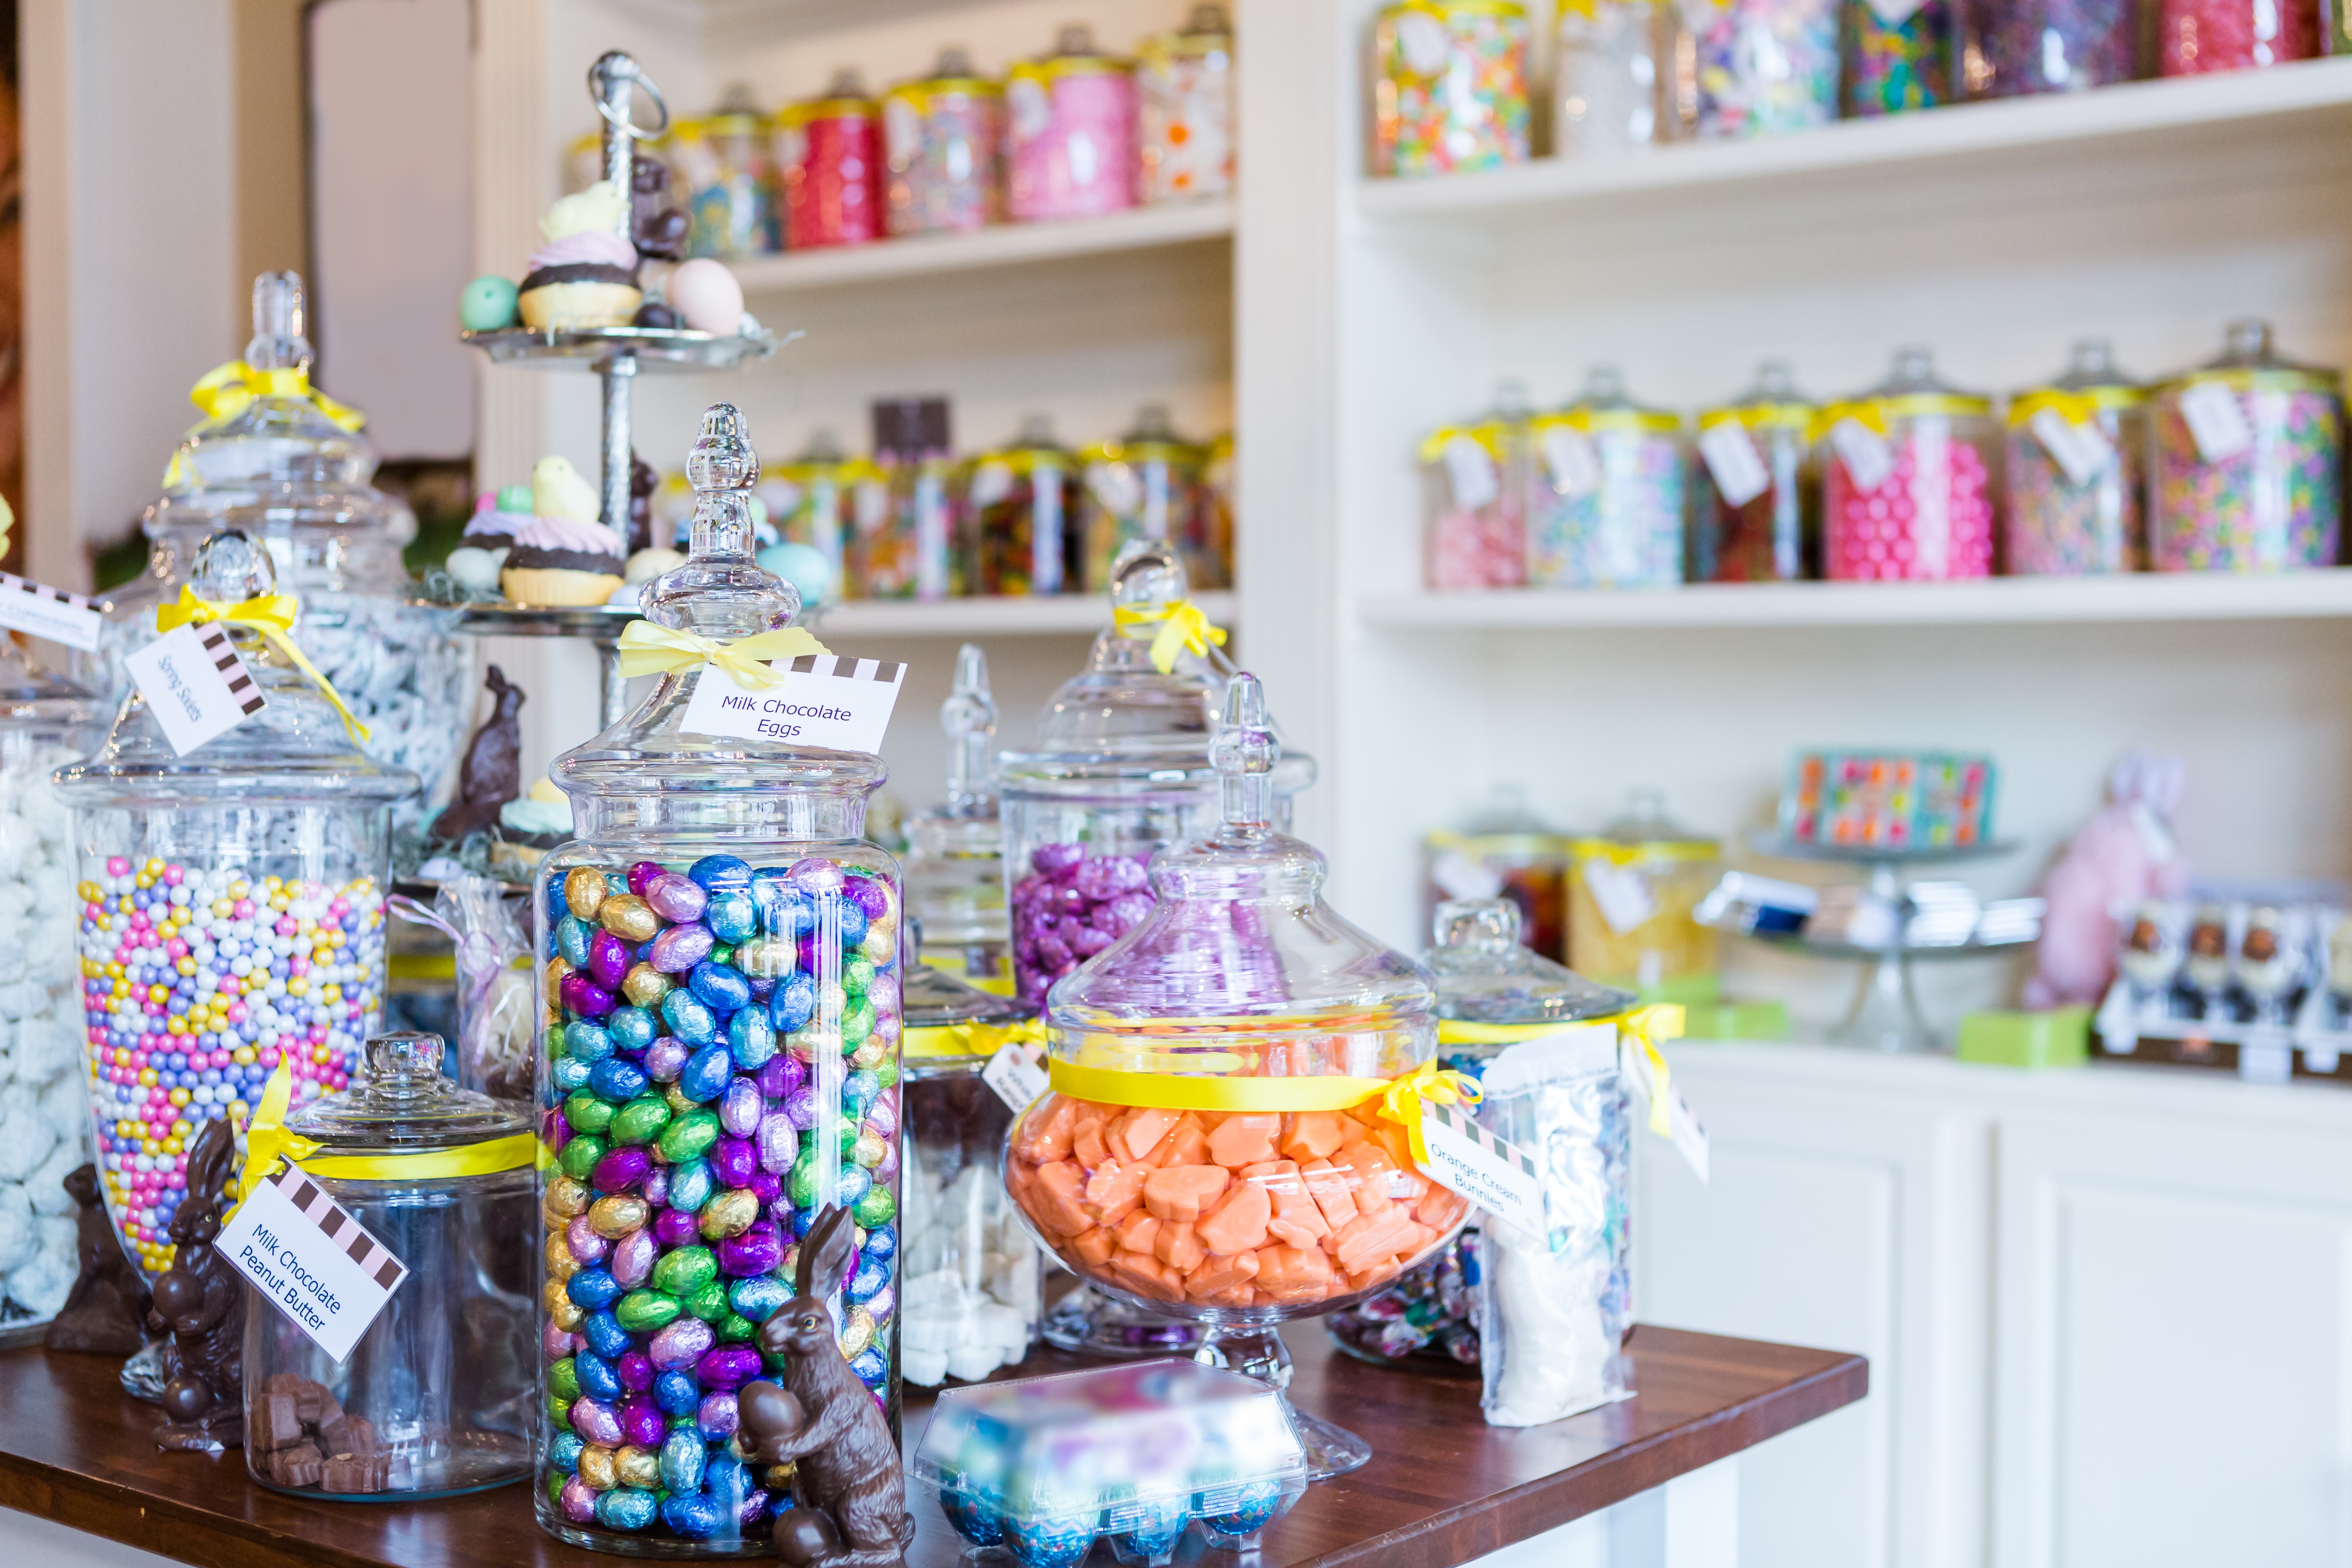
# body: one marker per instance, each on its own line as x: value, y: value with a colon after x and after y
x: 618, y: 1215
x: 629, y: 917
x: 583, y: 891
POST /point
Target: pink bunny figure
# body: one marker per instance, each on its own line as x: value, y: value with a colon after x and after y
x: 2123, y: 856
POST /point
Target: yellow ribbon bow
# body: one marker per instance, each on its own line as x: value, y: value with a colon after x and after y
x: 273, y: 617
x: 1181, y: 626
x: 228, y: 390
x: 971, y: 1039
x: 1428, y: 1084
x: 647, y: 649
x: 1646, y: 1026
x: 267, y: 1139
x: 2075, y: 408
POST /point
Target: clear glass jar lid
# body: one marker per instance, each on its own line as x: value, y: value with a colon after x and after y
x: 1772, y: 398
x: 931, y: 999
x: 403, y: 1104
x: 969, y: 717
x: 1486, y: 976
x: 1914, y: 387
x: 2248, y: 350
x: 1646, y: 825
x: 32, y: 694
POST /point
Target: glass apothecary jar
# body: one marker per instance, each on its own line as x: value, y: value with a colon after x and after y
x: 907, y: 551
x: 1182, y: 1164
x: 824, y: 499
x: 2194, y: 36
x: 2075, y: 450
x: 725, y: 176
x: 1474, y: 497
x: 1144, y: 485
x: 436, y: 1397
x: 1898, y: 56
x: 1633, y: 890
x: 1450, y: 87
x: 1612, y: 76
x: 232, y: 911
x: 1907, y: 473
x: 287, y: 467
x: 1069, y: 131
x: 955, y: 850
x: 941, y: 136
x: 2247, y: 463
x: 974, y: 1279
x: 1184, y: 93
x: 829, y: 166
x: 2018, y: 46
x: 719, y: 981
x: 1755, y: 520
x: 1021, y: 517
x: 1605, y: 492
x: 1506, y: 850
x: 1757, y: 68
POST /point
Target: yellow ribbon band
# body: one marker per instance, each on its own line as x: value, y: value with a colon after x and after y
x: 1174, y: 1091
x: 1871, y: 413
x: 226, y: 391
x: 1181, y: 626
x: 972, y: 1039
x: 1428, y: 1084
x: 1656, y: 423
x: 2075, y: 408
x: 1755, y: 416
x: 647, y: 649
x: 1490, y: 435
x: 273, y: 617
x: 267, y: 1140
x: 1645, y: 1026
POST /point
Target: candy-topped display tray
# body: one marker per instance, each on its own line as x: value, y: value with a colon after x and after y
x: 653, y: 348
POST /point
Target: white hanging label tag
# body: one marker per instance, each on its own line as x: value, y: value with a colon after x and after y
x: 839, y: 704
x: 1470, y: 473
x: 2216, y: 420
x: 1017, y: 1073
x: 1733, y: 462
x: 316, y: 1264
x: 1869, y: 460
x: 2082, y: 450
x: 991, y: 483
x: 1622, y: 893
x: 1423, y: 40
x: 1574, y: 466
x: 195, y: 684
x: 1465, y: 1158
x: 50, y: 612
x: 1683, y: 1128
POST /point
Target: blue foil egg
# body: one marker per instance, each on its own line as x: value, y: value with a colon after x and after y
x: 1046, y: 1542
x: 859, y: 1089
x: 597, y: 1378
x: 871, y: 1276
x: 719, y: 987
x: 616, y: 1080
x: 973, y: 1520
x: 587, y: 1042
x: 856, y: 1181
x: 1251, y: 1508
x: 677, y: 1392
x: 696, y: 1516
x: 751, y: 1038
x: 564, y: 1452
x: 593, y: 1287
x: 758, y: 1298
x: 682, y: 1460
x: 605, y: 1336
x: 720, y: 874
x: 853, y: 925
x: 691, y: 1184
x: 632, y: 1028
x: 881, y: 1245
x: 871, y: 1366
x: 793, y: 1003
x: 731, y: 917
x: 624, y: 1507
x: 568, y: 1075
x: 688, y: 1019
x: 571, y: 941
x: 707, y: 1074
x: 1154, y: 1534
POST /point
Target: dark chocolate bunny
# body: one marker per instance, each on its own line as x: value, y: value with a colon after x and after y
x: 200, y: 1301
x: 852, y: 1495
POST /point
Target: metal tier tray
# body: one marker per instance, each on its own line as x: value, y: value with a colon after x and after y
x: 1780, y: 847
x: 598, y: 624
x: 1851, y: 953
x: 653, y: 348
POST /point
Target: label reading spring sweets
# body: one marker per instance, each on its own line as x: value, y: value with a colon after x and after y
x: 2082, y: 450
x: 316, y: 1264
x: 1733, y: 462
x: 195, y: 684
x: 49, y: 613
x: 2216, y: 420
x: 1465, y: 1158
x: 824, y: 700
x: 1869, y: 460
x: 1017, y: 1073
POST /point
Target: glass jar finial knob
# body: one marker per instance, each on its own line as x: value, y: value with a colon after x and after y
x: 1244, y: 754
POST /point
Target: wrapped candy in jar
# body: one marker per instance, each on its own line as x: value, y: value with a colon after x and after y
x: 719, y: 982
x: 2074, y: 450
x: 1145, y: 485
x: 1506, y: 851
x: 1021, y: 516
x: 905, y: 552
x: 232, y: 909
x: 1224, y: 1140
x: 1491, y: 991
x: 2248, y: 462
x: 2016, y: 46
x: 1760, y: 67
x: 1754, y: 484
x: 2198, y: 36
x: 939, y: 139
x: 436, y: 1396
x: 1184, y: 92
x: 1474, y: 490
x: 1605, y: 492
x: 1633, y: 890
x: 972, y: 1281
x: 824, y: 497
x: 829, y: 163
x: 1612, y: 76
x: 1450, y: 86
x: 1070, y: 136
x: 1908, y: 479
x: 1898, y: 56
x: 955, y: 850
x: 727, y: 181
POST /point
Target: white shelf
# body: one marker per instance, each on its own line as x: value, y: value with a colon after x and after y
x: 2038, y: 125
x: 1078, y: 614
x: 1006, y: 245
x: 2142, y: 596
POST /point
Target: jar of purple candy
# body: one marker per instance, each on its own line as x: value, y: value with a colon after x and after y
x: 2016, y: 46
x: 720, y: 984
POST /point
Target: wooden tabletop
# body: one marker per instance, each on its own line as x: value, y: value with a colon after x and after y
x: 1442, y: 1486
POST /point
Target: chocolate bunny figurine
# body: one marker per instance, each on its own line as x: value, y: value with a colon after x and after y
x: 201, y: 1300
x: 852, y: 1495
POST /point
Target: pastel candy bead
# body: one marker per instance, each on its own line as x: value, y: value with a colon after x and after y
x: 731, y: 917
x: 717, y: 874
x: 740, y: 1107
x: 706, y: 1075
x: 605, y: 1334
x: 666, y: 1059
x: 595, y: 1421
x: 585, y: 997
x: 641, y: 875
x: 682, y: 1460
x: 626, y: 1508
x: 629, y: 917
x: 757, y: 1251
x: 719, y: 987
x: 760, y: 1298
x: 680, y: 948
x: 583, y: 890
x: 619, y: 1171
x: 677, y: 1392
x: 676, y: 898
x: 728, y: 1368
x: 646, y: 1312
x: 681, y: 1344
x: 631, y: 1027
x: 608, y: 960
x: 695, y: 1515
x: 717, y: 1416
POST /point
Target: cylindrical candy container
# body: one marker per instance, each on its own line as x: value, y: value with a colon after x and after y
x: 1605, y: 492
x: 1207, y: 544
x: 436, y: 1397
x: 1492, y: 995
x: 2248, y: 462
x: 829, y: 163
x: 1120, y: 770
x: 1633, y: 896
x: 1450, y: 87
x: 940, y: 138
x: 2198, y: 36
x: 232, y: 907
x: 907, y: 552
x: 973, y: 1279
x: 1908, y: 479
x: 824, y: 497
x: 286, y: 465
x: 1021, y: 517
x: 955, y: 851
x: 45, y: 722
x: 728, y: 181
x: 1214, y: 1145
x: 1898, y: 56
x: 1184, y: 92
x: 1755, y: 520
x: 1144, y: 485
x: 1612, y: 76
x: 720, y: 986
x: 1506, y: 850
x: 1474, y: 497
x: 2016, y: 46
x: 2075, y: 469
x: 1069, y: 133
x: 1756, y: 67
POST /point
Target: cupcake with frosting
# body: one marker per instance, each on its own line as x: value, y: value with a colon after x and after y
x: 563, y: 555
x: 586, y: 273
x: 498, y: 517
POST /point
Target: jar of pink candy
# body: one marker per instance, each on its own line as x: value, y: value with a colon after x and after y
x: 2248, y: 462
x: 1069, y: 137
x: 1450, y: 86
x: 2194, y: 36
x: 1908, y: 479
x: 2074, y: 450
x: 1474, y: 490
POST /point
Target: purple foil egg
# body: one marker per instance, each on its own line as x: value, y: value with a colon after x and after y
x: 740, y: 1108
x: 680, y: 1344
x: 633, y: 1258
x: 815, y: 875
x: 766, y: 1185
x: 656, y: 1185
x: 676, y: 898
x: 579, y: 1502
x: 675, y: 1227
x: 635, y: 1371
x: 757, y: 1251
x: 868, y: 894
x: 553, y: 1129
x: 882, y: 1116
x: 778, y: 1142
x: 585, y: 997
x: 595, y: 1421
x: 680, y: 948
x: 889, y: 1165
x: 753, y: 1509
x: 641, y: 876
x: 666, y: 1059
x: 882, y: 1303
x: 585, y: 1244
x: 716, y: 1417
x: 608, y: 960
x: 782, y: 1074
x: 728, y: 1368
x: 642, y: 1423
x: 733, y: 1161
x: 621, y: 1169
x: 556, y: 1343
x: 801, y: 1108
x: 1054, y: 858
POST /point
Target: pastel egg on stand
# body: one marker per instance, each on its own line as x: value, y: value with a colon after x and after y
x: 706, y: 296
x: 487, y: 304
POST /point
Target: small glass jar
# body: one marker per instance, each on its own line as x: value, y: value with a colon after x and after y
x: 2198, y: 36
x: 1474, y: 490
x: 955, y: 850
x: 720, y: 979
x: 1908, y: 479
x: 1184, y: 93
x: 2075, y: 448
x: 907, y: 552
x: 2018, y: 46
x: 436, y: 1397
x: 1605, y: 492
x: 1069, y: 139
x: 824, y: 497
x: 1633, y: 890
x: 1898, y: 56
x: 267, y: 849
x: 1757, y: 68
x: 1612, y: 76
x: 939, y: 138
x: 1450, y: 87
x: 1507, y: 851
x: 829, y: 163
x: 1021, y: 516
x: 1207, y: 544
x: 726, y: 181
x: 2248, y: 462
x: 1756, y: 522
x: 1144, y: 485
